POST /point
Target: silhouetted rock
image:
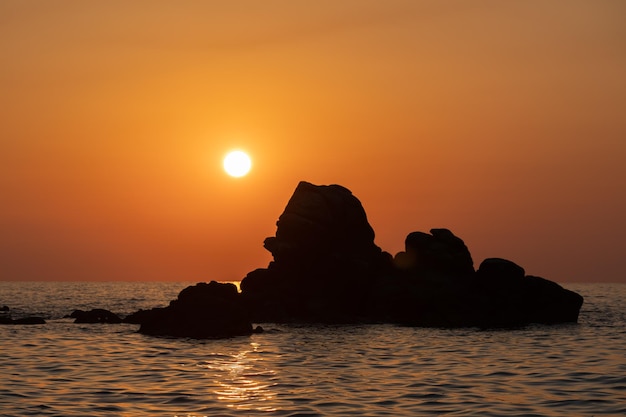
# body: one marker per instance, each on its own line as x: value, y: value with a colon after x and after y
x: 96, y: 315
x: 497, y: 271
x: 5, y: 318
x: 326, y: 268
x: 29, y: 320
x: 325, y: 260
x: 509, y: 297
x: 440, y: 252
x: 497, y: 295
x: 549, y: 303
x: 201, y: 311
x: 141, y: 316
x: 321, y: 222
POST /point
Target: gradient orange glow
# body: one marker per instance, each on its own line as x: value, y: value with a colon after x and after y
x: 503, y: 121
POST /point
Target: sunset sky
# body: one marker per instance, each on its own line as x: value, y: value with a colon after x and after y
x: 504, y: 121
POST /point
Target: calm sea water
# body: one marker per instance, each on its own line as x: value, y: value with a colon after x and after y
x: 67, y: 369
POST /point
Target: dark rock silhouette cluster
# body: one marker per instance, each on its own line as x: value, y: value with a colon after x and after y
x: 327, y: 269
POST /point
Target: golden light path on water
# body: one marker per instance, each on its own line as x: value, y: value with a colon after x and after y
x: 238, y: 384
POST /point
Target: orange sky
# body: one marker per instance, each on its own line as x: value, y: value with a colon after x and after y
x: 502, y: 121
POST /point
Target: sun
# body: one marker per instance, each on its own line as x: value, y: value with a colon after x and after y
x: 237, y: 163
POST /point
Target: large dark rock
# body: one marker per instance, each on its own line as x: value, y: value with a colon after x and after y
x: 201, y: 311
x: 322, y: 222
x: 325, y: 260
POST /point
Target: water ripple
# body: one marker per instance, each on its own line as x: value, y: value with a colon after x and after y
x: 76, y: 370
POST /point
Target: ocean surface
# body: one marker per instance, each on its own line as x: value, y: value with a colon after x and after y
x: 66, y: 369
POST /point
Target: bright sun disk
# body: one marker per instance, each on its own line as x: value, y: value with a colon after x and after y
x: 237, y: 163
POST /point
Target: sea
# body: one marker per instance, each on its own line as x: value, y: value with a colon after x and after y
x: 65, y: 369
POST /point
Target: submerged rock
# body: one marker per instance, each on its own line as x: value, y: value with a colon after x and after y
x: 23, y: 320
x: 29, y: 320
x: 5, y: 318
x: 96, y: 315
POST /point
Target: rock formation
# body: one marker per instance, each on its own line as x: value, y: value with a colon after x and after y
x: 325, y: 260
x: 510, y: 296
x: 5, y: 318
x: 326, y: 268
x: 96, y: 315
x: 23, y: 320
x: 201, y: 311
x: 440, y: 252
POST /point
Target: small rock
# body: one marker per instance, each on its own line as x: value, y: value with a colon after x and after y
x: 96, y: 315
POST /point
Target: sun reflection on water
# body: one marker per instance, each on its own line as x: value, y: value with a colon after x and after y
x: 242, y: 381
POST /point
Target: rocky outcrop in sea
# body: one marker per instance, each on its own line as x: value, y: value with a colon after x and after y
x: 201, y: 311
x: 326, y: 268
